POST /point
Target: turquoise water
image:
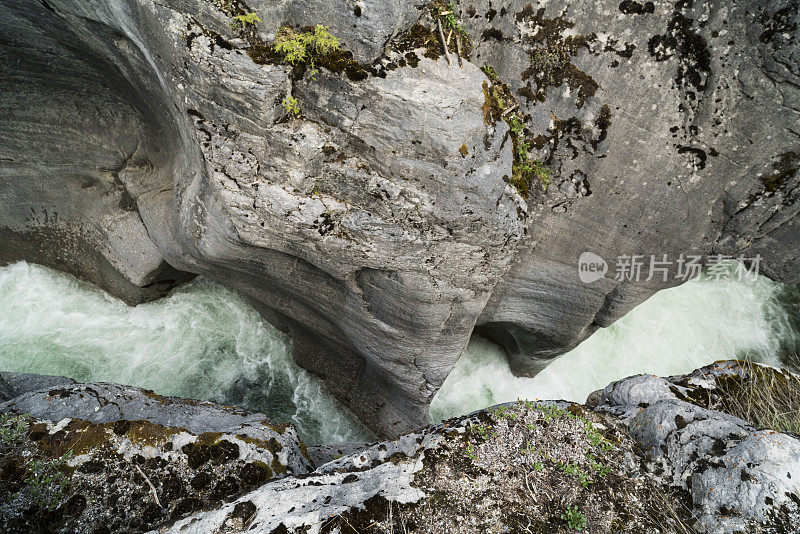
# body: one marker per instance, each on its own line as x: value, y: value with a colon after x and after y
x: 204, y: 341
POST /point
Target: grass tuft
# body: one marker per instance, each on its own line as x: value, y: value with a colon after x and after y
x: 765, y: 397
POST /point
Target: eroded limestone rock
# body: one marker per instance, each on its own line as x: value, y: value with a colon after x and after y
x: 109, y: 403
x: 741, y: 478
x: 645, y: 454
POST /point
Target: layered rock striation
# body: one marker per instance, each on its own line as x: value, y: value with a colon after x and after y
x: 144, y: 142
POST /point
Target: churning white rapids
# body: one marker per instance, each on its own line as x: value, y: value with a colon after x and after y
x: 673, y: 332
x: 204, y: 341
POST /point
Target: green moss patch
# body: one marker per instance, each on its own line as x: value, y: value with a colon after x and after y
x: 500, y: 103
x: 145, y: 433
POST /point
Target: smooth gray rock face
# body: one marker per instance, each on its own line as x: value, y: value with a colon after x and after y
x: 676, y: 131
x: 83, y: 137
x: 16, y: 384
x: 7, y: 391
x: 140, y: 143
x: 373, y: 229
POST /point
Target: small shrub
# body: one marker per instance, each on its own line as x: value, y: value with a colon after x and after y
x: 470, y: 452
x: 601, y: 469
x: 12, y: 428
x: 484, y: 432
x: 574, y: 518
x: 291, y: 105
x: 243, y: 21
x: 569, y: 469
x: 46, y: 481
x: 305, y: 47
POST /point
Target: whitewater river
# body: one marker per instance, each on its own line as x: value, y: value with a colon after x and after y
x: 205, y: 341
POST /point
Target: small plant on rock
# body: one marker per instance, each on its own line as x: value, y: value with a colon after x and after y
x: 47, y: 482
x: 470, y: 452
x: 491, y: 73
x: 12, y: 428
x: 291, y: 105
x: 45, y: 479
x: 304, y: 47
x: 295, y: 47
x: 484, y: 432
x: 244, y: 21
x: 574, y: 518
x: 499, y: 104
x: 450, y: 10
x: 525, y: 170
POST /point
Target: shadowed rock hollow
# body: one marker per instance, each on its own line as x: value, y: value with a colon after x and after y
x: 143, y: 142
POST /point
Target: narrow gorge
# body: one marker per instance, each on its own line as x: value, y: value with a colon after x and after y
x: 304, y: 226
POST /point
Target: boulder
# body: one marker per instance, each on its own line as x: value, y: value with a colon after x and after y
x: 645, y: 454
x: 741, y: 478
x: 104, y: 403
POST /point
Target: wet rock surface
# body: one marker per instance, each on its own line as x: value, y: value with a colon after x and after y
x: 147, y: 141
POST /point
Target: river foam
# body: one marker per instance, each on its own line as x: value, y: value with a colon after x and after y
x: 675, y: 331
x: 202, y: 341
x: 205, y: 341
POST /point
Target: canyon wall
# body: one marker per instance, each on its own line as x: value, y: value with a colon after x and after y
x: 145, y: 142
